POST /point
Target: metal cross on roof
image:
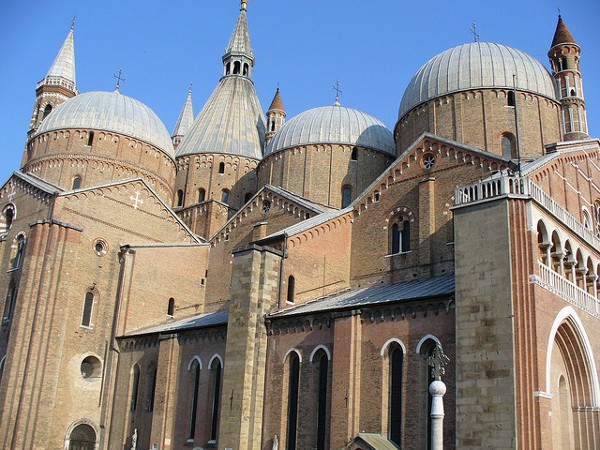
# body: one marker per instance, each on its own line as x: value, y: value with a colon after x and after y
x: 338, y: 92
x: 119, y: 78
x: 437, y: 361
x: 473, y: 31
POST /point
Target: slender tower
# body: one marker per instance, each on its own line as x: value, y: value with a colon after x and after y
x: 275, y: 116
x: 185, y: 121
x: 564, y: 57
x: 57, y: 86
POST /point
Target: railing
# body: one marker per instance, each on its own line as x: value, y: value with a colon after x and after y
x: 506, y: 185
x: 57, y: 81
x: 559, y: 285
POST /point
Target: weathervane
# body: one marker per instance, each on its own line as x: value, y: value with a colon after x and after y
x: 338, y: 92
x: 73, y: 22
x: 119, y: 78
x: 473, y: 31
x: 437, y: 361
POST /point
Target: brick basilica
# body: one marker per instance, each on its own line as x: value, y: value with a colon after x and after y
x: 253, y: 281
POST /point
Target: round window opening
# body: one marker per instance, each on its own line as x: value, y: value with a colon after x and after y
x: 428, y: 161
x: 100, y: 247
x: 90, y: 367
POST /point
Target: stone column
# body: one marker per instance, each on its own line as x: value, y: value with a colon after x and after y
x: 437, y: 389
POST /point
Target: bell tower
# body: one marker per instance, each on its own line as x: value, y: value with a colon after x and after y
x: 275, y: 116
x: 564, y: 57
x: 57, y: 86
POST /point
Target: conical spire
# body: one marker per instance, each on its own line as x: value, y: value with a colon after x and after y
x: 63, y: 66
x: 186, y: 117
x: 276, y: 104
x: 562, y: 35
x: 239, y: 43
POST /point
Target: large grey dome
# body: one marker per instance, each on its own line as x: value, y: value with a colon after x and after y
x: 110, y: 111
x: 333, y: 125
x: 474, y: 66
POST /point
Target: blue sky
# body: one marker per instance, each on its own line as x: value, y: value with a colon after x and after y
x: 373, y: 47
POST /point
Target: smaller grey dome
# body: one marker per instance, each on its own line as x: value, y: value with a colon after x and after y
x: 110, y: 111
x: 333, y: 125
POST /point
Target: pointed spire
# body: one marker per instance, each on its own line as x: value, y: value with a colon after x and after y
x: 64, y: 63
x: 562, y: 35
x: 239, y: 43
x: 186, y: 118
x: 276, y: 104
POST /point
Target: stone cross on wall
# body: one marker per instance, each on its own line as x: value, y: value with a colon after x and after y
x: 437, y: 361
x: 136, y: 200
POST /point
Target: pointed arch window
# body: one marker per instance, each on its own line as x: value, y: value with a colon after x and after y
x: 597, y: 216
x: 9, y: 305
x: 322, y: 360
x: 7, y: 218
x: 179, y: 197
x: 225, y: 196
x: 151, y: 387
x: 221, y: 167
x: 396, y: 370
x: 90, y: 138
x: 135, y: 387
x: 246, y: 69
x: 216, y: 388
x: 293, y: 393
x: 201, y: 195
x: 47, y: 111
x: 18, y: 249
x: 509, y: 150
x: 195, y: 369
x: 400, y: 236
x: 346, y: 196
x: 291, y: 289
x: 236, y: 68
x: 88, y: 306
x: 171, y: 307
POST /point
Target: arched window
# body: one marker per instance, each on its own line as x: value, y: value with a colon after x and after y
x: 573, y: 94
x: 400, y: 236
x: 291, y: 288
x: 216, y: 389
x: 171, y: 307
x: 346, y: 196
x: 509, y: 150
x: 228, y: 69
x: 225, y: 196
x: 510, y: 98
x: 195, y: 369
x: 47, y: 111
x: 354, y: 155
x: 76, y: 182
x: 396, y: 370
x: 293, y: 391
x: 135, y: 387
x: 246, y: 70
x: 179, y: 197
x: 201, y: 195
x: 83, y: 437
x: 150, y: 387
x: 272, y: 125
x: 426, y: 351
x: 221, y: 167
x: 236, y: 68
x: 597, y: 217
x: 9, y: 305
x: 247, y: 197
x: 88, y: 306
x: 90, y: 138
x: 322, y: 394
x: 7, y: 218
x: 585, y: 218
x: 18, y: 249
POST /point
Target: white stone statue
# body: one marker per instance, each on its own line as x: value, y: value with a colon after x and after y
x: 275, y: 443
x: 134, y: 440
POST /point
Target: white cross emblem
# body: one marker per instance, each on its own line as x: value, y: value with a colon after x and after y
x: 12, y: 192
x: 136, y: 200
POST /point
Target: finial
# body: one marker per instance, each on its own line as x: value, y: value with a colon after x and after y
x: 558, y: 12
x: 119, y: 78
x: 244, y: 5
x: 437, y: 361
x: 190, y: 89
x: 73, y: 23
x: 473, y: 31
x: 338, y: 92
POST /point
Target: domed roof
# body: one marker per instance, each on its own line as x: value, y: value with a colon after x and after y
x: 333, y: 125
x: 474, y: 66
x: 110, y: 111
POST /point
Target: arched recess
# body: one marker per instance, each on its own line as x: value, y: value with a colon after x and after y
x: 82, y: 435
x: 572, y: 382
x: 316, y: 349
